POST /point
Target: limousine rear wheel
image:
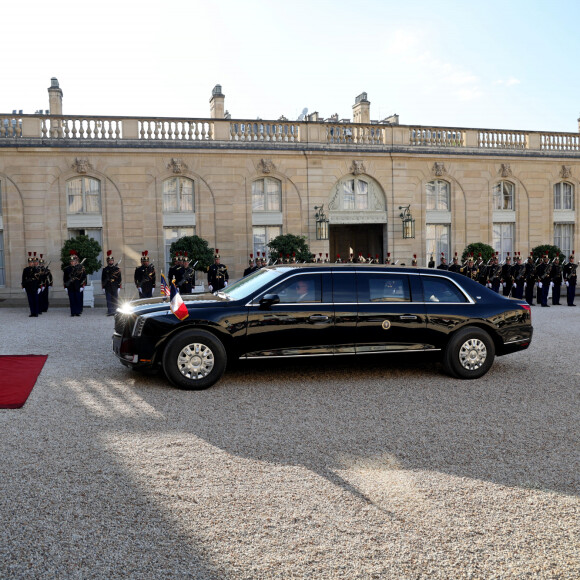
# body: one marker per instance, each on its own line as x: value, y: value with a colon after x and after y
x: 469, y: 353
x: 194, y: 360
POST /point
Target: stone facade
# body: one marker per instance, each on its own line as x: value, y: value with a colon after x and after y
x: 361, y: 173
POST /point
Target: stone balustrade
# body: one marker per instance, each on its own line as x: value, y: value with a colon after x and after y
x: 48, y: 128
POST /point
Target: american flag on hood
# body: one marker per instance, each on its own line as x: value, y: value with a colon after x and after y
x: 165, y: 291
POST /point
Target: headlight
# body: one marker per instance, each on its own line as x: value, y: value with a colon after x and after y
x: 125, y: 308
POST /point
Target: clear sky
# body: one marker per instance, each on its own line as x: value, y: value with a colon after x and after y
x: 511, y: 64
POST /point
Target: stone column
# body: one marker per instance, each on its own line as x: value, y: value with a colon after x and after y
x: 55, y: 101
x: 361, y: 110
x: 216, y: 103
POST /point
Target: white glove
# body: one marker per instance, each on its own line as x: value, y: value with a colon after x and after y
x: 225, y: 283
x: 210, y: 288
x: 118, y: 291
x: 82, y: 288
x: 539, y: 284
x: 104, y: 291
x: 503, y: 284
x: 567, y: 283
x: 525, y: 284
x: 66, y: 290
x: 514, y: 285
x: 152, y: 291
x: 23, y: 289
x: 139, y: 289
x: 488, y: 284
x: 39, y: 291
x: 551, y: 284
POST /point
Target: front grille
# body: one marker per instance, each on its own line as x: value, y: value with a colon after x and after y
x: 123, y: 324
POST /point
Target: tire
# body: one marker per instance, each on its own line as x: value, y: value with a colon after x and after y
x: 469, y: 353
x: 194, y: 360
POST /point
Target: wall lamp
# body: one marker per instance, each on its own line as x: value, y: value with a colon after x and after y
x: 408, y: 222
x: 321, y: 223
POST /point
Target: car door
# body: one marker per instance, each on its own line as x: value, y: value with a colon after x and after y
x: 297, y: 322
x: 389, y: 318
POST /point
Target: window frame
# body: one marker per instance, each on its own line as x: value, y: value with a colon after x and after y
x: 500, y: 195
x: 179, y: 197
x: 83, y: 196
x: 434, y: 194
x: 266, y: 195
x: 434, y: 245
x: 499, y: 244
x: 559, y: 236
x: 560, y: 196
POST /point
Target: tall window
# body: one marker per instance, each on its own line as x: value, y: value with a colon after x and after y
x: 503, y: 195
x: 263, y: 235
x: 355, y: 194
x: 267, y: 194
x: 438, y: 195
x: 171, y: 235
x: 2, y: 268
x: 503, y: 239
x: 563, y: 196
x: 178, y: 195
x: 84, y: 195
x: 437, y: 237
x: 564, y: 237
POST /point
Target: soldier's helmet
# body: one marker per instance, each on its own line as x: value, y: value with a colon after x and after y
x: 73, y: 255
x: 41, y: 260
x: 251, y: 260
x: 145, y: 256
x: 414, y: 260
x: 217, y: 254
x: 110, y: 256
x: 30, y: 258
x: 185, y: 258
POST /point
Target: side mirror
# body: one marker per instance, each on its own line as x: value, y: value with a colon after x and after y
x: 267, y: 300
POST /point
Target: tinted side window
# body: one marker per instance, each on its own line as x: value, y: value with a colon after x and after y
x: 441, y: 290
x: 301, y: 288
x: 377, y: 287
x: 344, y: 287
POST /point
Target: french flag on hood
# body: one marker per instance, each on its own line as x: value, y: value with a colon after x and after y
x: 176, y: 304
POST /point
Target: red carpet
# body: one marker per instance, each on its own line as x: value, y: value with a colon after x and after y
x: 18, y: 375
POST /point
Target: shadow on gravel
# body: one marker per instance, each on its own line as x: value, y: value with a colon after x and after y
x: 350, y: 412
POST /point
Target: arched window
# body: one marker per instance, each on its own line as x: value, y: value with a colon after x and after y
x: 438, y: 197
x: 267, y: 194
x: 83, y: 195
x: 355, y: 194
x: 178, y: 195
x: 563, y: 195
x: 503, y: 195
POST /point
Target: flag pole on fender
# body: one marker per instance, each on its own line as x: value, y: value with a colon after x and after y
x: 176, y: 303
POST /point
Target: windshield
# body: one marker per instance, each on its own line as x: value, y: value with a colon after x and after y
x: 249, y: 284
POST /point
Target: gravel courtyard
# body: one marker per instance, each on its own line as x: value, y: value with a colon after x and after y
x: 370, y: 468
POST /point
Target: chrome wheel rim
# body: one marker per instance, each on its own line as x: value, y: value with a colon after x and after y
x: 195, y: 361
x: 472, y: 354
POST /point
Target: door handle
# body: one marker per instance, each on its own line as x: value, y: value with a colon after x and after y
x: 319, y: 318
x: 408, y: 317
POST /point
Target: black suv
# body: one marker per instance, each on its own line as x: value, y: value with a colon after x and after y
x: 324, y: 309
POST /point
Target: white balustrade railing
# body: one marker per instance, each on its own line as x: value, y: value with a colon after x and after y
x: 560, y: 142
x: 10, y: 126
x: 273, y: 131
x: 502, y: 139
x: 80, y: 128
x: 175, y: 130
x: 337, y: 133
x: 436, y: 137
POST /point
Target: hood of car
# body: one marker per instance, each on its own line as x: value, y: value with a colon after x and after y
x: 160, y: 303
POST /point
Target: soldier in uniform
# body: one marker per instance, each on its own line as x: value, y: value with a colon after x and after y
x: 570, y: 279
x: 543, y: 275
x: 45, y: 283
x: 111, y: 281
x: 186, y: 282
x: 251, y: 266
x: 145, y: 277
x: 506, y: 276
x: 174, y: 269
x: 217, y: 275
x: 414, y: 260
x: 530, y: 279
x: 431, y: 263
x: 494, y: 274
x: 443, y: 265
x: 518, y: 274
x: 556, y: 281
x: 471, y: 270
x: 455, y: 267
x: 388, y: 259
x: 31, y: 285
x: 74, y: 280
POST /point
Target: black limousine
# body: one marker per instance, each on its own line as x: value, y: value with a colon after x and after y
x: 324, y: 309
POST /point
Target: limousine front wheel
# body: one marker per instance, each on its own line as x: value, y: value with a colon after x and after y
x: 194, y: 360
x: 469, y: 353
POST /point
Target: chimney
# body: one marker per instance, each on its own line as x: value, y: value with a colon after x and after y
x: 55, y: 97
x: 216, y: 103
x: 361, y: 110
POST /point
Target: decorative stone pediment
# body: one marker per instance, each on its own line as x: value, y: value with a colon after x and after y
x: 176, y: 165
x: 505, y: 170
x: 357, y: 167
x: 81, y: 165
x: 566, y: 172
x: 266, y: 166
x: 439, y: 168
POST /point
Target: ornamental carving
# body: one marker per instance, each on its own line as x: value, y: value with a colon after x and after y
x: 176, y: 165
x: 566, y: 172
x: 439, y: 169
x: 81, y: 165
x: 357, y: 167
x: 505, y: 170
x: 266, y: 166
